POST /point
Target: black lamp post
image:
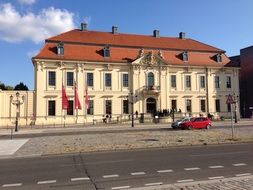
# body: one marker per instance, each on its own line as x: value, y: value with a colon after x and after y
x: 17, y: 103
x: 131, y: 99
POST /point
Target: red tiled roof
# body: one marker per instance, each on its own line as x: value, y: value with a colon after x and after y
x: 132, y: 40
x: 76, y: 52
x: 88, y: 46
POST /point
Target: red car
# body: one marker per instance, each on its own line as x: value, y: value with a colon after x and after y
x: 197, y: 123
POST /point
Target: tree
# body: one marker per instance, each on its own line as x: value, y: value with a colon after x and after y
x: 21, y: 86
x: 5, y: 87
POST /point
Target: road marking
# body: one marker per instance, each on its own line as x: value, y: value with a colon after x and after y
x: 217, y: 177
x: 12, y: 185
x: 122, y: 187
x: 80, y: 178
x: 240, y: 164
x: 164, y: 171
x: 185, y: 180
x: 214, y: 167
x: 138, y: 173
x: 152, y: 184
x: 46, y: 182
x: 245, y: 174
x: 108, y: 176
x: 188, y: 169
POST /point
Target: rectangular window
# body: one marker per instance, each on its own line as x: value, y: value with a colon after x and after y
x: 228, y: 81
x: 217, y: 105
x: 51, y: 107
x: 173, y: 81
x: 203, y: 105
x: 90, y: 110
x: 90, y: 79
x: 217, y: 81
x: 125, y: 80
x: 229, y: 107
x: 202, y: 82
x: 108, y: 107
x: 70, y: 110
x: 125, y: 107
x: 188, y: 105
x: 108, y: 79
x: 51, y: 78
x: 70, y: 79
x: 174, y: 104
x: 188, y: 81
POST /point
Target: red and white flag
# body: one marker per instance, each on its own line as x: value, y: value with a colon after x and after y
x: 64, y: 99
x: 77, y: 101
x: 86, y: 97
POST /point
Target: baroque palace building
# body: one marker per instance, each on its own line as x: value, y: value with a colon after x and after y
x: 125, y: 73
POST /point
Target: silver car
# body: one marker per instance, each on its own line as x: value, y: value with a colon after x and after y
x: 176, y: 124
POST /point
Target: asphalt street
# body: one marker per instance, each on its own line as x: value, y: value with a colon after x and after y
x: 127, y: 169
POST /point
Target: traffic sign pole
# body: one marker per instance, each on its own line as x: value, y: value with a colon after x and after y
x: 232, y: 123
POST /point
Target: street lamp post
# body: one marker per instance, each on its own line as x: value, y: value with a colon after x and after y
x: 236, y: 100
x: 131, y: 99
x: 17, y: 103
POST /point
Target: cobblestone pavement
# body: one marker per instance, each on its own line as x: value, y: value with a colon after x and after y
x: 236, y: 183
x: 130, y: 140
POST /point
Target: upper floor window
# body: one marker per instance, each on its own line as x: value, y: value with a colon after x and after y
x: 217, y: 81
x: 188, y: 81
x: 125, y: 80
x: 108, y: 79
x: 185, y: 56
x: 228, y: 81
x: 90, y: 79
x: 51, y: 78
x: 60, y: 48
x: 173, y: 81
x: 203, y: 105
x: 219, y: 58
x: 202, y: 82
x: 70, y: 79
x: 151, y: 79
x: 107, y: 52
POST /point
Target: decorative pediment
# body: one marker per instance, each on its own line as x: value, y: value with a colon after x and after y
x: 150, y: 59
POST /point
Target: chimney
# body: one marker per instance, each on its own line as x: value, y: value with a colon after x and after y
x: 182, y: 35
x: 156, y: 33
x: 114, y: 29
x: 84, y: 26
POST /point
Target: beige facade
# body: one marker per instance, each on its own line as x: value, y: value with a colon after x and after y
x: 162, y: 92
x: 11, y: 107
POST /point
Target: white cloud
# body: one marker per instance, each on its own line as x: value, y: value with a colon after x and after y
x: 31, y: 54
x: 16, y: 27
x: 27, y: 2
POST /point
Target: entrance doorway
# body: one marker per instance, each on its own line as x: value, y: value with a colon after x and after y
x: 151, y: 105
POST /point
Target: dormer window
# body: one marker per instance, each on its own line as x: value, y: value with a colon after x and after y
x: 219, y: 58
x: 185, y: 56
x: 60, y: 48
x: 107, y: 51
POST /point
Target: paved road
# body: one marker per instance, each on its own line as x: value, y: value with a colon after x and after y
x: 125, y: 169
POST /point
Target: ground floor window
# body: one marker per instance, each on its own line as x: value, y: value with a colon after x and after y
x: 203, y: 105
x: 70, y: 110
x: 188, y: 105
x: 108, y: 107
x: 229, y: 107
x: 174, y: 104
x: 90, y: 110
x: 51, y: 107
x: 217, y: 105
x: 125, y: 107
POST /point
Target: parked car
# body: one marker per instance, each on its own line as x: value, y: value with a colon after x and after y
x: 197, y: 123
x: 177, y: 124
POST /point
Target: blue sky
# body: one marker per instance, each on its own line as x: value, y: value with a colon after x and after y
x: 24, y: 24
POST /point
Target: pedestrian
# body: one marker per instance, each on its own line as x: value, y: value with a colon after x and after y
x: 136, y: 114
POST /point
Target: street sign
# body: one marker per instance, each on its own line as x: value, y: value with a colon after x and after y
x: 230, y: 100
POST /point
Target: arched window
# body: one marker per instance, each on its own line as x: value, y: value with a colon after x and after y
x: 151, y: 80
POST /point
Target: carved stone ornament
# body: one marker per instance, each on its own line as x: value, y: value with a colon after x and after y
x: 160, y: 54
x: 141, y: 52
x: 41, y: 65
x: 60, y: 64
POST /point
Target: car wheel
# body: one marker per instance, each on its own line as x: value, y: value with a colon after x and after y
x: 208, y: 126
x: 190, y: 127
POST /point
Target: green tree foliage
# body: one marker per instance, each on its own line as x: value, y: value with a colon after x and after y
x: 5, y: 87
x: 21, y: 86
